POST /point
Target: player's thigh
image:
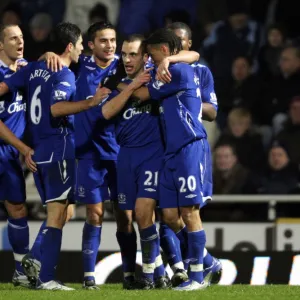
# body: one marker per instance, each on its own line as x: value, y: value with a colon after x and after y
x: 12, y: 182
x: 147, y: 177
x: 188, y: 174
x: 167, y: 193
x: 91, y: 186
x: 126, y: 182
x: 55, y: 180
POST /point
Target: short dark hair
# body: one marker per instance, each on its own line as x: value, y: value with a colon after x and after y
x: 3, y: 27
x: 181, y: 25
x: 64, y: 34
x: 98, y: 26
x: 137, y: 37
x: 165, y: 36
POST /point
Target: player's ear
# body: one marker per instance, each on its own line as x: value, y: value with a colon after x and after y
x: 190, y: 44
x: 91, y: 45
x: 164, y: 49
x: 70, y: 47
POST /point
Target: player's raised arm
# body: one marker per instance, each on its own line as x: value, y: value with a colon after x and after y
x: 163, y: 74
x: 115, y: 105
x: 10, y: 138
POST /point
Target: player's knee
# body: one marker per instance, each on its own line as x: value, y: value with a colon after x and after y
x: 191, y: 218
x: 16, y: 211
x: 56, y: 220
x: 144, y: 218
x: 124, y: 221
x: 94, y: 215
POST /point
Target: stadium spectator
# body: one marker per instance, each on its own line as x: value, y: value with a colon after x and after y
x: 247, y: 142
x: 290, y: 135
x: 280, y: 90
x: 241, y: 89
x: 235, y: 36
x: 270, y: 53
x: 285, y: 12
x: 11, y: 15
x: 38, y: 42
x: 77, y: 11
x: 229, y: 176
x: 281, y: 176
x: 29, y: 8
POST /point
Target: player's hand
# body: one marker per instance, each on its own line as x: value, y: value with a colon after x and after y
x: 31, y: 165
x: 54, y: 62
x: 141, y: 79
x: 101, y: 94
x: 21, y: 64
x: 162, y: 73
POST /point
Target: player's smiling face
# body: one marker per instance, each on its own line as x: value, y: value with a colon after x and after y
x: 12, y: 43
x: 104, y: 44
x: 133, y: 58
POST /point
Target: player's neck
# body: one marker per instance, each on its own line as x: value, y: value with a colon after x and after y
x: 102, y: 63
x: 66, y: 59
x: 8, y: 62
x: 135, y: 75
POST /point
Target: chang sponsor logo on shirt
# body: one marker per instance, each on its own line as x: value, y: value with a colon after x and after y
x: 131, y: 112
x: 12, y: 108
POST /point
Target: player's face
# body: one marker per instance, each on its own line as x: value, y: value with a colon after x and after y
x: 104, y: 44
x: 13, y: 44
x: 240, y: 69
x: 158, y: 53
x: 76, y: 50
x: 289, y: 61
x: 185, y: 42
x: 225, y: 158
x: 133, y: 58
x: 278, y: 158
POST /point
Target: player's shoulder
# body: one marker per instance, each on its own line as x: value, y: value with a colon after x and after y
x: 181, y: 69
x: 201, y: 68
x: 64, y: 74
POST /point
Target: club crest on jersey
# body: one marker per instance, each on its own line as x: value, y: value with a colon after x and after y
x: 81, y: 191
x: 157, y: 84
x: 122, y: 198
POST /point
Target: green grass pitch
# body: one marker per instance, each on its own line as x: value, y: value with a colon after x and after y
x: 115, y: 292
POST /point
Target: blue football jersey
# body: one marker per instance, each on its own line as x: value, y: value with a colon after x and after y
x: 181, y: 108
x: 94, y: 137
x: 138, y: 125
x: 12, y: 114
x: 51, y: 138
x: 206, y: 84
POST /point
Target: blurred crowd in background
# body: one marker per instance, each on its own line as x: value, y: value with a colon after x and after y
x: 253, y: 50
